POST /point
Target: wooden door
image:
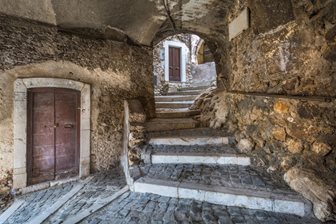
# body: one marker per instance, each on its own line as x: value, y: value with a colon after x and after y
x: 53, y: 134
x: 174, y: 64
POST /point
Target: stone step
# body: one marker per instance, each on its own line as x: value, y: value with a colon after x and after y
x: 176, y: 113
x: 188, y: 92
x: 232, y: 185
x: 195, y: 132
x: 181, y: 104
x: 162, y: 124
x: 200, y: 158
x: 174, y: 98
x: 205, y: 140
x: 196, y: 154
x: 202, y: 88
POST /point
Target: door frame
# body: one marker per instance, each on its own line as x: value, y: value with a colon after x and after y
x: 21, y: 87
x: 30, y: 125
x: 172, y: 61
x: 183, y: 52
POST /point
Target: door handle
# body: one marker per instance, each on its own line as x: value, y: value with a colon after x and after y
x: 68, y: 125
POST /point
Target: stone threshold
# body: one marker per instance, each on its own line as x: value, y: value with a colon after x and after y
x: 228, y: 196
x: 45, y: 185
x: 200, y: 158
x: 190, y: 141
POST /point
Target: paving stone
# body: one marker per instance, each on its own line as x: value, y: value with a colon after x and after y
x: 218, y: 175
x: 101, y: 186
x: 36, y: 202
x: 191, y: 211
x: 149, y: 208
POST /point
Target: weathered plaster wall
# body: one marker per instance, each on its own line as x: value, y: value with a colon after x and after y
x: 115, y: 71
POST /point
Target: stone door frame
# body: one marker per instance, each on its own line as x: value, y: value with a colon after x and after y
x: 20, y: 123
x: 184, y: 52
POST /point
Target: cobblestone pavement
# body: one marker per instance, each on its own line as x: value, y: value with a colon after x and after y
x: 150, y: 208
x: 139, y: 208
x: 100, y: 186
x: 216, y: 175
x: 194, y: 149
x: 37, y: 202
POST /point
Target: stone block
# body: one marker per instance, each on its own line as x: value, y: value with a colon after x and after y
x: 245, y: 146
x: 279, y: 134
x: 20, y: 149
x: 84, y: 167
x: 19, y: 180
x: 312, y: 187
x: 199, y: 158
x: 321, y: 148
x: 281, y: 107
x: 294, y: 146
x: 53, y: 82
x: 239, y: 24
x: 190, y: 141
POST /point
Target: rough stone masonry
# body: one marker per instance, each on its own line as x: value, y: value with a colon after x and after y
x: 276, y: 80
x: 280, y: 97
x: 29, y: 49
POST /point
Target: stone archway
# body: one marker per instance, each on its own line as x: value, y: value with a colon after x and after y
x: 20, y: 124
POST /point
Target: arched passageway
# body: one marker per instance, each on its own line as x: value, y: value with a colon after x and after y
x: 176, y: 64
x: 273, y: 108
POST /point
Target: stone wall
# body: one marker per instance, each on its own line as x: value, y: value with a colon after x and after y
x: 158, y: 64
x: 279, y: 57
x: 283, y: 52
x: 278, y: 99
x: 280, y: 129
x: 115, y: 71
x: 203, y: 74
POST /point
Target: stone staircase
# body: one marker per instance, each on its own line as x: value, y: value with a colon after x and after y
x: 172, y: 111
x: 186, y: 161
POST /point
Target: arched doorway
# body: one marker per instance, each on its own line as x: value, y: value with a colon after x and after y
x: 41, y: 92
x: 176, y: 64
